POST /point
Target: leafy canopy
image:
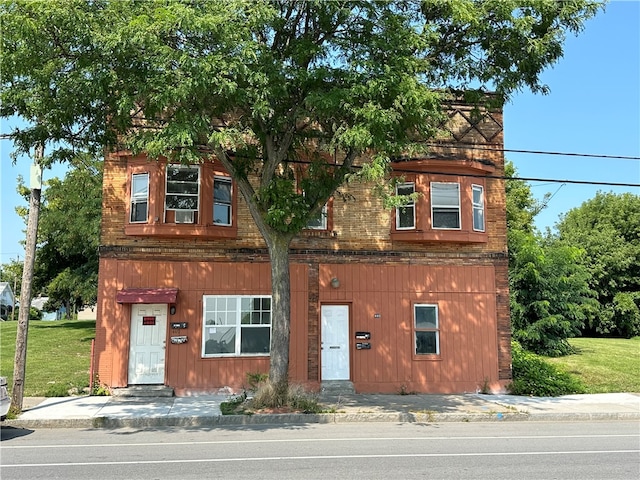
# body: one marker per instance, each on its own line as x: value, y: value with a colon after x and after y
x: 550, y: 298
x: 607, y: 227
x: 265, y: 83
x: 66, y: 264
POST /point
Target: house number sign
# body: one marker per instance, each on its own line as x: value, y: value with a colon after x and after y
x: 148, y: 320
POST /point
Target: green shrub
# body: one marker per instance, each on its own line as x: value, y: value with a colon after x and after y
x: 98, y: 388
x: 300, y: 399
x: 265, y: 399
x: 234, y: 405
x: 58, y: 390
x: 256, y: 380
x: 532, y: 375
x: 34, y: 314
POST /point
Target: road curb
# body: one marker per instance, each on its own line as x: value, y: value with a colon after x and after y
x: 323, y: 418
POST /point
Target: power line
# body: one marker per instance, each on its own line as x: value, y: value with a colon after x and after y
x: 525, y: 179
x: 8, y: 136
x: 533, y: 152
x: 495, y: 177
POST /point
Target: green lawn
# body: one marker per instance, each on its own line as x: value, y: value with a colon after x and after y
x: 604, y: 365
x: 58, y: 355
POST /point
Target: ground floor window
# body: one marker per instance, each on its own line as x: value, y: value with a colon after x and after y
x: 236, y: 325
x: 427, y: 331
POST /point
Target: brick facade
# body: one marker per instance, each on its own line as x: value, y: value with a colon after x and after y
x: 463, y: 271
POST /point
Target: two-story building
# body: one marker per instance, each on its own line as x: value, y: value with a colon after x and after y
x: 414, y: 299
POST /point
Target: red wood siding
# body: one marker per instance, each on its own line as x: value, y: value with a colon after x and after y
x: 382, y: 299
x: 185, y: 367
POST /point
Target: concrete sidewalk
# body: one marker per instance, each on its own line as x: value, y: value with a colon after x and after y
x: 119, y: 412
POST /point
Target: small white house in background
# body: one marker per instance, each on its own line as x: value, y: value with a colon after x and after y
x: 39, y: 302
x: 7, y: 300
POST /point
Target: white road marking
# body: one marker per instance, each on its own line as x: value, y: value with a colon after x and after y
x: 311, y: 440
x: 315, y: 457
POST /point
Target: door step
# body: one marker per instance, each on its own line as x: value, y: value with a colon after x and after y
x: 337, y: 387
x: 143, y: 391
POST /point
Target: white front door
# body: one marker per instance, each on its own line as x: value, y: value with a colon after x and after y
x: 335, y: 342
x: 147, y: 345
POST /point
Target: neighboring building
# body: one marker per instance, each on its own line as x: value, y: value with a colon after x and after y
x: 412, y: 300
x: 7, y: 301
x: 39, y: 303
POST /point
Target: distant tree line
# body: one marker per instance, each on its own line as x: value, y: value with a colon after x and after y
x: 66, y: 265
x: 583, y: 278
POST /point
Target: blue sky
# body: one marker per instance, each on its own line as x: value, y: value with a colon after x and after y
x: 593, y: 108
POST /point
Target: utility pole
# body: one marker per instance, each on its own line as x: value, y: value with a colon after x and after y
x: 15, y: 286
x: 20, y: 362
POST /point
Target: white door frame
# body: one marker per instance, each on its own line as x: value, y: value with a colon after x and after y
x: 335, y: 345
x: 147, y: 343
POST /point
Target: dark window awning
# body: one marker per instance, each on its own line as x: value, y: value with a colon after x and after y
x: 147, y: 295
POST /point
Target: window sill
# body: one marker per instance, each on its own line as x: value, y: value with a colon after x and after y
x: 181, y: 230
x: 310, y: 232
x: 428, y: 358
x: 234, y: 355
x: 450, y: 236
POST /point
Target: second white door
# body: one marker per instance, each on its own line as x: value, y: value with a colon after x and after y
x: 335, y: 342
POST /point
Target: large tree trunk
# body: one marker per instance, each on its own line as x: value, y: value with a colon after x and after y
x: 280, y: 314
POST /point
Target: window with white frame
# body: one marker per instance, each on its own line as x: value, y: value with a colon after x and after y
x: 478, y: 207
x: 183, y: 192
x: 222, y: 201
x: 319, y: 222
x: 427, y: 330
x: 139, y: 198
x: 445, y: 205
x: 406, y: 214
x: 236, y: 325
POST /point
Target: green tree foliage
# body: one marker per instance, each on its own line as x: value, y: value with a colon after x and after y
x: 550, y: 295
x: 66, y: 267
x: 522, y: 207
x: 548, y: 282
x: 607, y: 227
x: 265, y: 84
x: 11, y: 273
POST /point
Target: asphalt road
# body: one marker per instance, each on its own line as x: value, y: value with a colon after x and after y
x: 514, y: 450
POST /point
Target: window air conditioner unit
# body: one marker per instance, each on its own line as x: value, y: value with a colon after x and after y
x: 184, y: 216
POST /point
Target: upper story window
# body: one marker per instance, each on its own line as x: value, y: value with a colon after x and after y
x: 139, y: 198
x: 478, y: 207
x: 222, y: 205
x: 447, y: 208
x: 319, y: 222
x: 406, y: 215
x: 445, y: 205
x: 182, y: 193
x: 170, y: 200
